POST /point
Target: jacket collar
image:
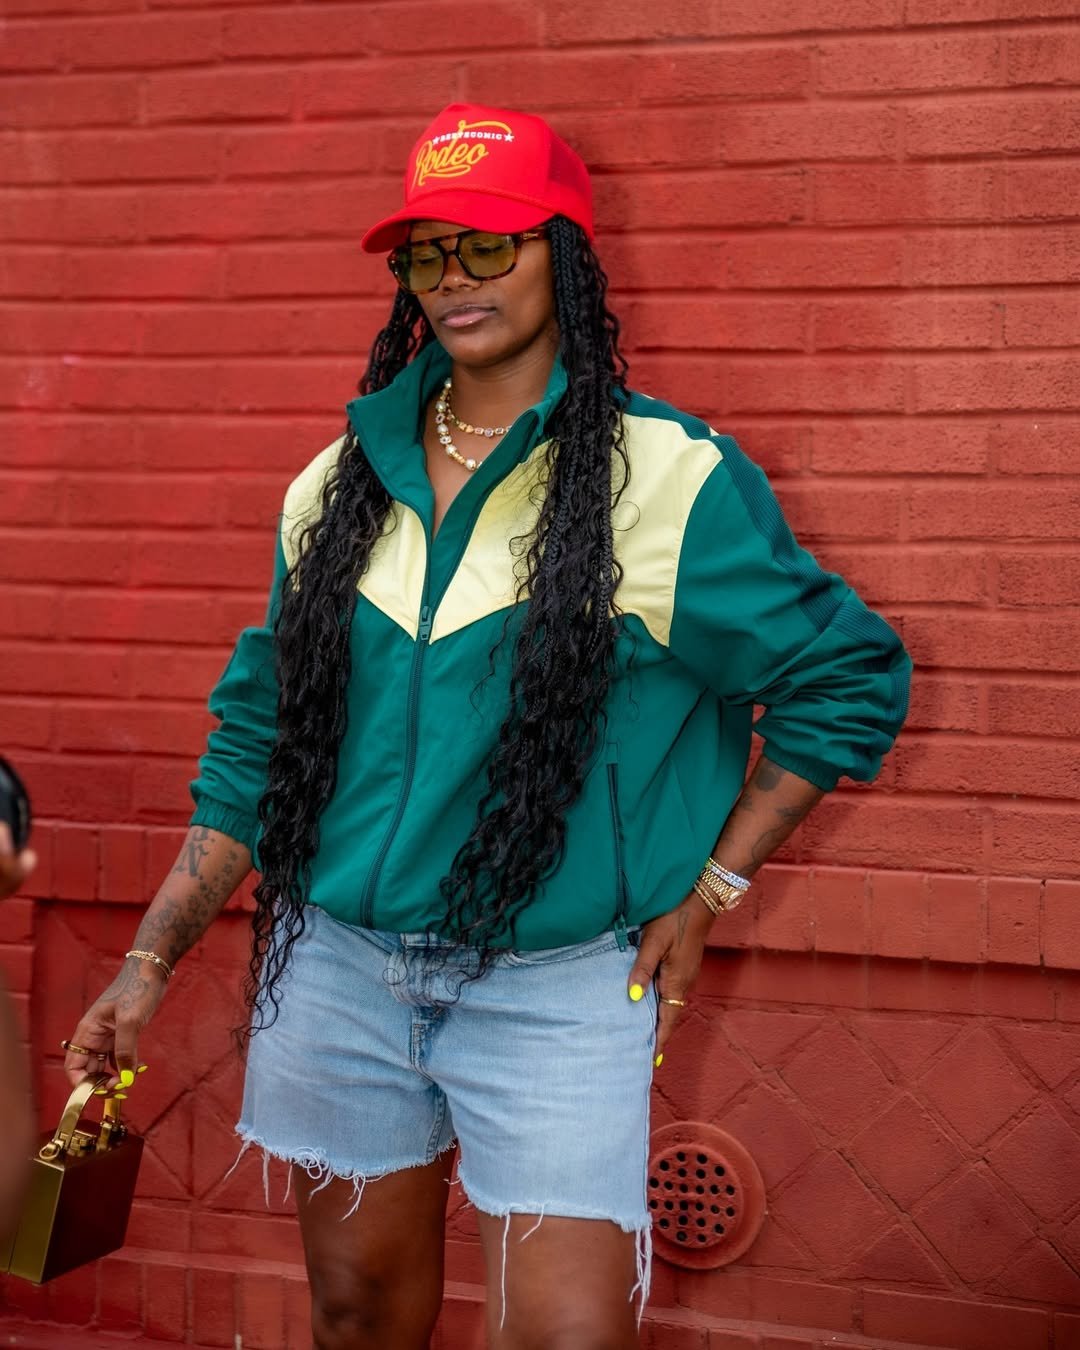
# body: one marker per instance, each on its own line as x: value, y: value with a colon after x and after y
x: 389, y: 425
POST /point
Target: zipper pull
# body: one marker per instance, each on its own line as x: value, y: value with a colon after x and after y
x: 425, y: 624
x: 621, y: 936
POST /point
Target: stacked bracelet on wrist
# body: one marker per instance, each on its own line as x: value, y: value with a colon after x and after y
x: 152, y: 956
x: 720, y: 889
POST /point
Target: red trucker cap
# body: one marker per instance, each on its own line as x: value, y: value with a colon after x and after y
x: 488, y: 169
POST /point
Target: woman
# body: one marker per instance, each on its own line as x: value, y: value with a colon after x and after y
x: 481, y: 750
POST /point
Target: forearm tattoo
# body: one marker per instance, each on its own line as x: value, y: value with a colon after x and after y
x: 183, y: 910
x: 777, y: 819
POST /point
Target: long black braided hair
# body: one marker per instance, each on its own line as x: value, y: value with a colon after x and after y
x: 563, y: 657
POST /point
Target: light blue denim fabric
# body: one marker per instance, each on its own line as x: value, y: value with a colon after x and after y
x: 541, y: 1070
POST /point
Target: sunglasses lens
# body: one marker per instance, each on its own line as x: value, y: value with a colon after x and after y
x: 419, y: 267
x: 487, y: 255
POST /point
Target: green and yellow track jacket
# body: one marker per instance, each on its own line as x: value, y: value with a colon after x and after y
x: 722, y: 610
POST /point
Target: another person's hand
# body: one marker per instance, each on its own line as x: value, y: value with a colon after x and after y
x: 14, y: 867
x: 670, y: 953
x: 106, y: 1039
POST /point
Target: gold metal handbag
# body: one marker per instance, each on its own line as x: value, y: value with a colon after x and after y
x: 82, y: 1183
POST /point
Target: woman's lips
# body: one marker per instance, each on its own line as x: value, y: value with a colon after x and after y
x: 466, y: 316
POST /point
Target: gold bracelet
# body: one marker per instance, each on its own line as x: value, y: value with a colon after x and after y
x: 725, y: 895
x: 710, y: 903
x: 152, y: 956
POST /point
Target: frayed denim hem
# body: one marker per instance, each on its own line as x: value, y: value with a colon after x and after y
x: 643, y: 1251
x: 319, y: 1168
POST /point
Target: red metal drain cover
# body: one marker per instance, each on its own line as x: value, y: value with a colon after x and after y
x: 705, y: 1195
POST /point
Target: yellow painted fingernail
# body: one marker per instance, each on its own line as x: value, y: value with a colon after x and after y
x: 101, y: 1092
x: 142, y: 1068
x: 659, y: 1059
x: 126, y: 1077
x: 121, y: 1095
x: 637, y: 993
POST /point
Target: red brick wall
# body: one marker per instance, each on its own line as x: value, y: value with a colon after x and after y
x: 844, y: 231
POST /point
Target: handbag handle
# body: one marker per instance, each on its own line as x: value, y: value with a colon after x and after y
x: 76, y: 1105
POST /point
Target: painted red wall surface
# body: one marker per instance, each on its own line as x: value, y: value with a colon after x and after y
x: 845, y: 231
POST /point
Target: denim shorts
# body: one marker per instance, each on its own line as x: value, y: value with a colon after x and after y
x: 540, y: 1070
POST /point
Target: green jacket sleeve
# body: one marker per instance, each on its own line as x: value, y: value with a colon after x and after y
x: 759, y: 621
x: 232, y: 771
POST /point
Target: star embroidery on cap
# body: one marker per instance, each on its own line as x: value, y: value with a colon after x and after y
x: 509, y: 136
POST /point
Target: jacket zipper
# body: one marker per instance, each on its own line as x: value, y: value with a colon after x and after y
x: 423, y: 636
x: 622, y: 890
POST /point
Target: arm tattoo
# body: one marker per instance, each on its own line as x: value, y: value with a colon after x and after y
x: 193, y: 853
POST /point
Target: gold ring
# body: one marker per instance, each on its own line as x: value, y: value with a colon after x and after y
x: 675, y: 1002
x: 78, y: 1049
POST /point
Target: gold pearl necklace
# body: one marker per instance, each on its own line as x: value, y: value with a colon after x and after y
x: 444, y: 413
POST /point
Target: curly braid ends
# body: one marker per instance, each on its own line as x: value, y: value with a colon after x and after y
x: 562, y: 663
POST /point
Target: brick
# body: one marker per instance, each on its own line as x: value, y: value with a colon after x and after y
x: 1038, y: 579
x: 1014, y: 382
x: 29, y: 157
x: 1014, y: 256
x: 944, y: 703
x: 160, y: 789
x: 816, y: 516
x: 1010, y: 510
x: 133, y: 156
x: 217, y: 95
x: 25, y: 724
x: 965, y: 1324
x: 255, y: 210
x: 156, y: 673
x: 1040, y: 1161
x: 977, y: 11
x: 785, y: 914
x: 1039, y: 1273
x: 689, y: 201
x: 1013, y: 920
x: 865, y: 831
x: 1035, y: 446
x: 841, y: 910
x: 120, y: 1284
x: 1015, y: 993
x: 301, y: 269
x: 66, y: 329
x: 885, y: 65
x: 1022, y: 124
x: 731, y: 324
x: 78, y: 788
x: 973, y: 1225
x: 1042, y: 58
x: 964, y: 765
x: 201, y: 558
x: 113, y: 499
x: 31, y: 384
x: 898, y: 1259
x: 1051, y: 323
x: 394, y: 86
x: 70, y: 100
x: 165, y: 1302
x: 171, y: 273
x: 32, y: 274
x: 831, y: 1209
x: 1034, y: 190
x: 150, y: 728
x: 822, y: 384
x: 1033, y: 841
x: 835, y: 1077
x: 65, y: 556
x: 896, y: 325
x: 1066, y: 1331
x: 262, y: 1311
x: 992, y: 641
x: 214, y: 1307
x: 30, y: 610
x: 705, y: 75
x: 47, y: 216
x: 893, y: 193
x: 906, y: 1153
x: 107, y: 385
x: 883, y: 575
x: 45, y: 441
x: 47, y: 668
x: 777, y: 16
x: 234, y: 444
x: 296, y: 150
x: 73, y: 1297
x: 866, y: 446
x: 141, y: 616
x: 734, y: 1294
x: 1061, y: 924
x: 764, y: 262
x: 122, y: 863
x: 832, y: 132
x: 142, y: 40
x: 976, y: 1087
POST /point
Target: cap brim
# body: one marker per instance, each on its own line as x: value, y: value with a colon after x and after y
x: 473, y: 210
